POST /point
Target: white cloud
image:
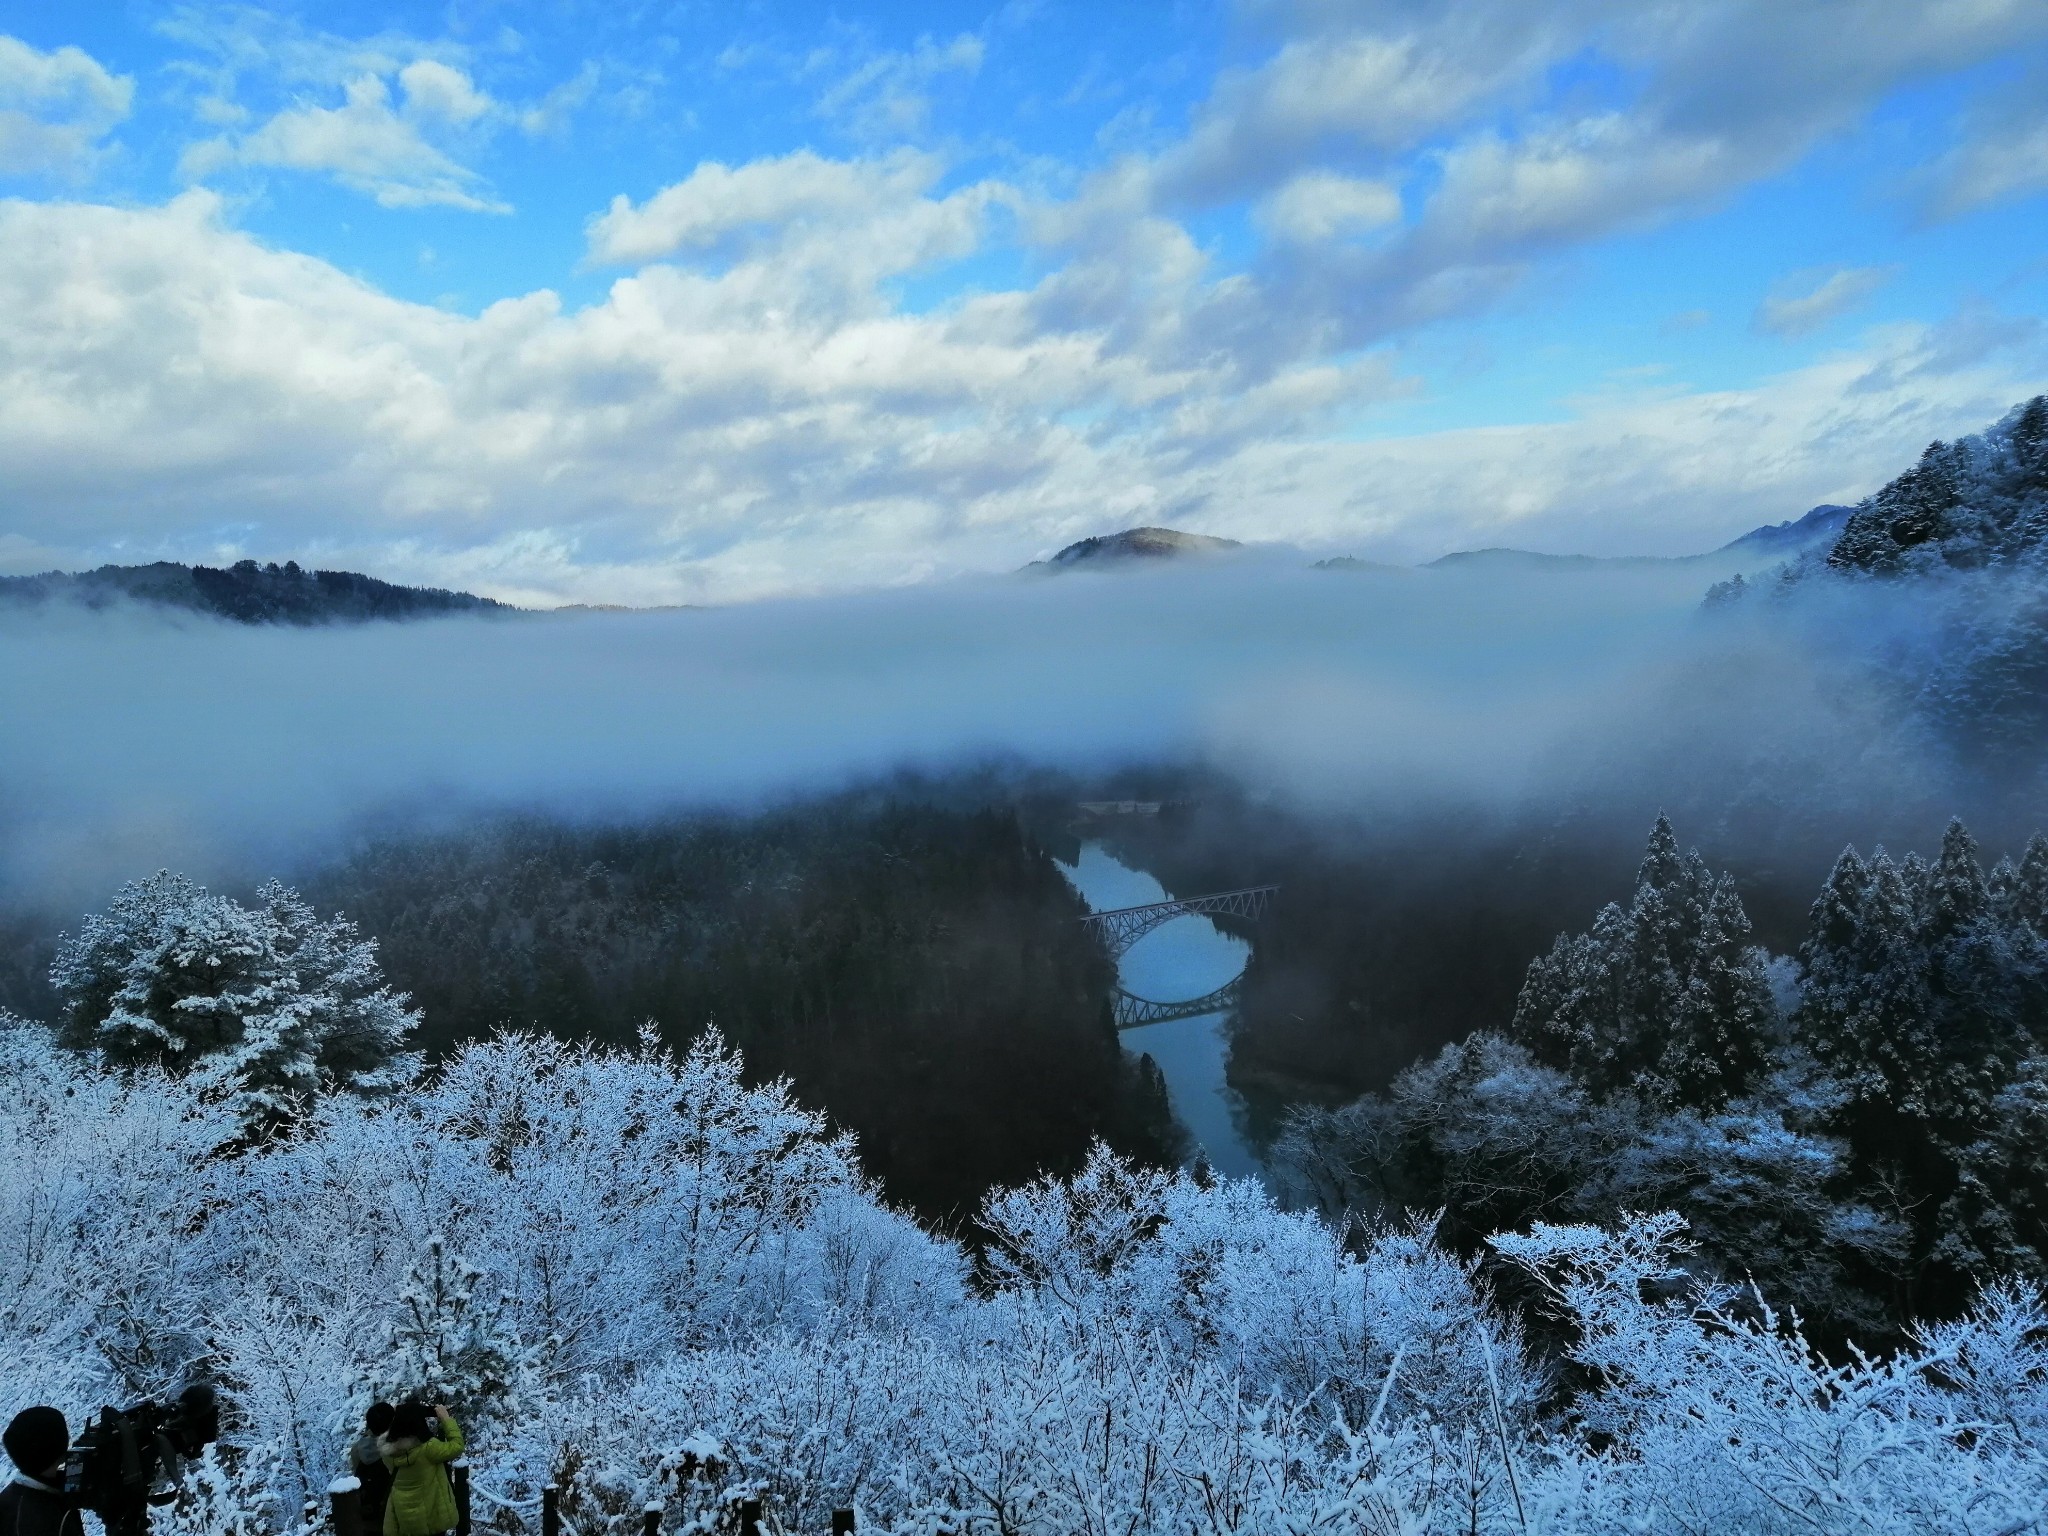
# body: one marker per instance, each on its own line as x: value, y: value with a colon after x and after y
x: 753, y: 410
x: 55, y: 108
x: 1362, y: 83
x: 1460, y: 102
x: 169, y: 386
x: 2002, y: 156
x: 437, y: 91
x: 1569, y: 181
x: 823, y: 232
x: 717, y: 202
x: 551, y: 114
x: 367, y: 143
x: 1806, y: 301
x: 1321, y: 205
x: 887, y: 95
x: 393, y: 117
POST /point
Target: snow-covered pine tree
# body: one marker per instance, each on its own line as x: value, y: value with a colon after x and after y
x: 265, y: 1006
x: 1863, y: 1010
x: 1923, y: 989
x: 1988, y: 971
x: 1718, y: 1043
x: 453, y: 1342
x: 1918, y: 989
x: 1663, y: 995
x: 2026, y: 894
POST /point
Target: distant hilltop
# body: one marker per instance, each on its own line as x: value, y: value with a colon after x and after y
x: 1134, y: 544
x: 1817, y: 529
x: 245, y: 592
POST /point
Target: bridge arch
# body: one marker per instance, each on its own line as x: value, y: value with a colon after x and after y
x: 1121, y: 927
x: 1134, y: 1012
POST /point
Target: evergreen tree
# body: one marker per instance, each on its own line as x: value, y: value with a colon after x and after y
x: 452, y: 1345
x: 1995, y: 1219
x: 2030, y: 438
x: 1718, y: 1043
x: 1863, y: 1002
x: 266, y: 1006
x: 1923, y: 1000
x: 2027, y: 897
x: 1663, y: 996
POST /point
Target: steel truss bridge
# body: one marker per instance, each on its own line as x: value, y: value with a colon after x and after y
x: 1134, y: 1012
x: 1122, y: 927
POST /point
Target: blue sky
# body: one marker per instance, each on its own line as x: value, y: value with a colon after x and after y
x: 700, y: 302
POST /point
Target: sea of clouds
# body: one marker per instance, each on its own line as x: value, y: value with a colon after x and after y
x: 139, y: 739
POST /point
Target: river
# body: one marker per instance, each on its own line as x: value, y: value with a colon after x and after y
x: 1187, y: 957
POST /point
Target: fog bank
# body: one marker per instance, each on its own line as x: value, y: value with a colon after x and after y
x: 135, y: 740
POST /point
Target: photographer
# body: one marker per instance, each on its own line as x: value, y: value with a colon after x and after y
x: 422, y: 1501
x: 33, y: 1504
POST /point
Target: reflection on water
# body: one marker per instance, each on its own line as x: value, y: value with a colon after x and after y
x: 1184, y: 958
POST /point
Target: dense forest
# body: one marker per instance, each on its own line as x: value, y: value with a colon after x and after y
x: 1399, y: 929
x: 1862, y: 1128
x: 244, y: 593
x: 1859, y: 1121
x: 914, y: 969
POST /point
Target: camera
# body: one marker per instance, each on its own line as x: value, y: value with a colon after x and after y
x: 128, y: 1459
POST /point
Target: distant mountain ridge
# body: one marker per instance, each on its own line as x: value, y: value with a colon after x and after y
x: 1817, y: 528
x: 1823, y: 524
x: 246, y: 593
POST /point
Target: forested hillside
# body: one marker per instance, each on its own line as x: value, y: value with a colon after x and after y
x: 1948, y: 567
x: 245, y: 592
x: 1878, y: 685
x: 1862, y: 1129
x: 917, y: 972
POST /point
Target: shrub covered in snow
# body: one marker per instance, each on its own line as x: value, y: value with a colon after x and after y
x: 639, y: 1276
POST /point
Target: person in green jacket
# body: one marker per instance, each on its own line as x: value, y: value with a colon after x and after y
x: 421, y: 1503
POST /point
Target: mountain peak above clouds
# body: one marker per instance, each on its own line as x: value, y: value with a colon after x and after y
x: 1134, y: 544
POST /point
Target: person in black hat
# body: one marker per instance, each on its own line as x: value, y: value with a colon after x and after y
x: 33, y: 1504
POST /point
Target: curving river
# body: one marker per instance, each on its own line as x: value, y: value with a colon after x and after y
x: 1184, y: 958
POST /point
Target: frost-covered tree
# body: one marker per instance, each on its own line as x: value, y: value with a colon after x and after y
x: 1977, y: 502
x: 263, y: 1006
x: 1724, y: 1419
x: 455, y: 1341
x: 1924, y: 998
x: 1948, y: 561
x: 1492, y: 1139
x: 1201, y: 1362
x: 1664, y: 995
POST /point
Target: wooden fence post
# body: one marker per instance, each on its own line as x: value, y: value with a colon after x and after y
x: 345, y: 1502
x: 650, y: 1519
x: 750, y: 1517
x: 551, y: 1511
x: 842, y: 1522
